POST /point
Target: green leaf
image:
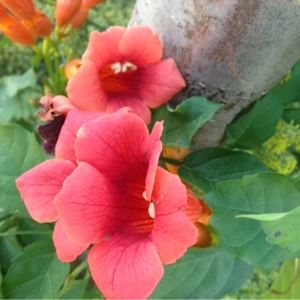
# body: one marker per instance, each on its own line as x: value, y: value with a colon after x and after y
x: 286, y: 285
x: 281, y: 229
x: 4, y: 41
x: 75, y: 290
x: 35, y: 60
x: 19, y: 151
x: 254, y: 194
x: 16, y: 94
x: 202, y: 274
x: 204, y: 167
x: 182, y: 123
x: 291, y: 114
x: 9, y: 248
x: 290, y: 90
x: 35, y: 274
x: 1, y: 294
x: 254, y: 128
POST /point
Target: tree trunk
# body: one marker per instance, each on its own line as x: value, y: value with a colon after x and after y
x: 231, y: 51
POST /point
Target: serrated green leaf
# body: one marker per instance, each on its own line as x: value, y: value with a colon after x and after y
x: 19, y: 151
x: 254, y: 128
x: 291, y: 115
x: 281, y: 229
x: 202, y: 274
x: 286, y: 285
x: 290, y: 90
x: 204, y: 167
x: 254, y: 194
x: 35, y: 274
x: 182, y: 123
x: 75, y: 290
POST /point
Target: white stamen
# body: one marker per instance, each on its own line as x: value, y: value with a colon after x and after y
x: 124, y: 68
x: 144, y: 195
x: 130, y: 66
x: 151, y: 210
x: 116, y: 67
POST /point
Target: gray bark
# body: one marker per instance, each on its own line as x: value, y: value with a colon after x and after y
x: 231, y: 51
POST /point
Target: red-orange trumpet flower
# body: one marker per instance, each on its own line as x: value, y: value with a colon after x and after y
x: 14, y: 30
x: 39, y: 25
x: 65, y: 10
x: 21, y: 9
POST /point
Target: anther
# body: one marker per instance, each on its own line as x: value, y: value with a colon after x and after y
x: 129, y: 65
x: 151, y: 210
x: 144, y: 195
x: 116, y: 67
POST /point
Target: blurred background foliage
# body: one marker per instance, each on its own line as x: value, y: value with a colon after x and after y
x: 15, y: 59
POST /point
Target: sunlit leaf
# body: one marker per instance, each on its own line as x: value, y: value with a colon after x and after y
x: 202, y: 274
x: 254, y: 194
x: 257, y: 126
x: 182, y: 123
x: 286, y: 285
x: 281, y: 229
x: 35, y: 274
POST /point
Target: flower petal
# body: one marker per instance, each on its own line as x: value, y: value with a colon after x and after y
x: 103, y: 48
x: 141, y: 46
x: 66, y: 250
x: 116, y: 145
x: 125, y: 267
x: 40, y: 185
x: 84, y: 88
x: 75, y: 119
x: 86, y: 194
x: 172, y: 232
x: 138, y: 106
x: 101, y: 207
x: 159, y: 82
x: 154, y: 150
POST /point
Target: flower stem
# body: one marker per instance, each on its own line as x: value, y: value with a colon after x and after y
x: 78, y: 269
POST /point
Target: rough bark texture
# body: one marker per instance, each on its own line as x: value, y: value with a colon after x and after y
x: 231, y: 51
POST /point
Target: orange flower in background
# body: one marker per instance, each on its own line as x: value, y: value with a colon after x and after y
x: 176, y: 153
x: 14, y: 30
x: 65, y: 11
x: 21, y: 9
x: 87, y: 4
x: 197, y: 210
x: 79, y: 18
x: 72, y: 67
x: 39, y: 25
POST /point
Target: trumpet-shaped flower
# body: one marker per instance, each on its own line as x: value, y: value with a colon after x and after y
x: 39, y: 25
x: 23, y: 10
x: 14, y: 30
x: 132, y: 210
x: 65, y: 10
x: 123, y: 67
